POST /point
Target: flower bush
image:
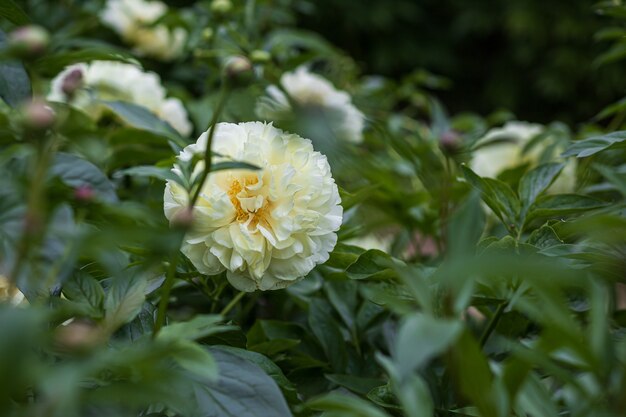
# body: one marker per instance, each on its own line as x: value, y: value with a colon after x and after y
x: 333, y: 243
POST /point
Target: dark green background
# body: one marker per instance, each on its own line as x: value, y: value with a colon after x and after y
x: 533, y: 57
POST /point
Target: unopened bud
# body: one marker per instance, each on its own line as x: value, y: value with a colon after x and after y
x: 37, y: 115
x: 450, y: 142
x: 221, y: 7
x: 72, y: 82
x: 79, y: 335
x: 84, y: 193
x: 183, y: 219
x: 28, y: 42
x: 207, y: 34
x: 260, y: 56
x: 238, y: 71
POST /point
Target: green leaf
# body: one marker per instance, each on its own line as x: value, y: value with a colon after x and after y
x: 85, y: 289
x: 220, y: 166
x: 326, y: 329
x: 593, y: 145
x: 337, y: 405
x: 196, y: 328
x: 194, y: 358
x: 142, y: 118
x: 466, y: 227
x: 13, y: 13
x: 164, y: 174
x: 535, y: 182
x: 360, y: 385
x: 124, y: 300
x: 561, y: 205
x: 76, y: 172
x: 14, y: 81
x: 497, y: 195
x: 374, y: 264
x: 52, y: 64
x: 420, y: 339
x: 242, y: 389
x: 415, y: 397
x: 269, y: 367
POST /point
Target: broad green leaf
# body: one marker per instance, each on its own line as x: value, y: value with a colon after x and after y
x: 76, y: 172
x: 13, y: 13
x: 14, y: 81
x: 242, y: 389
x: 615, y: 175
x: 535, y: 182
x: 343, y: 296
x: 544, y: 237
x: 83, y: 288
x: 124, y: 300
x: 593, y: 145
x: 497, y: 195
x: 337, y: 405
x: 196, y: 328
x: 52, y: 64
x: 421, y: 338
x: 194, y: 358
x: 374, y: 264
x: 142, y: 118
x: 562, y: 205
x: 269, y: 367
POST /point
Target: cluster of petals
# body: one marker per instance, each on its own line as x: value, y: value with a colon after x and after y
x: 118, y: 81
x: 507, y: 147
x: 266, y: 228
x: 308, y: 90
x: 136, y: 22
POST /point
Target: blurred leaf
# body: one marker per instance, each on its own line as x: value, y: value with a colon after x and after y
x: 421, y: 338
x: 466, y: 227
x: 360, y: 385
x: 593, y: 145
x: 14, y: 81
x: 142, y: 118
x: 373, y: 264
x: 337, y: 405
x: 77, y: 172
x: 196, y: 328
x: 13, y: 13
x: 163, y: 174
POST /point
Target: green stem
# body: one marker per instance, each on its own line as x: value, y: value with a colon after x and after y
x: 492, y: 323
x: 165, y: 295
x: 208, y: 155
x: 232, y: 303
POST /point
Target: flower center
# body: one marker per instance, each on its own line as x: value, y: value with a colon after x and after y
x: 250, y: 205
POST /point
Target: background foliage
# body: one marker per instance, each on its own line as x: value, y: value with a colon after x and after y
x: 492, y: 296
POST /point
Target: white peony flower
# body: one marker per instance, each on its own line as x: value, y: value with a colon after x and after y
x: 491, y: 160
x: 10, y: 293
x: 268, y: 228
x: 111, y: 80
x: 309, y: 90
x: 135, y: 21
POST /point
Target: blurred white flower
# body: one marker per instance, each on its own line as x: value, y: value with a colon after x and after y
x: 308, y: 90
x: 493, y: 159
x: 268, y: 228
x: 10, y: 293
x: 135, y: 21
x: 111, y: 80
